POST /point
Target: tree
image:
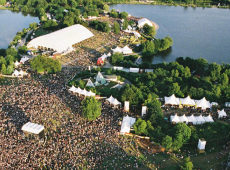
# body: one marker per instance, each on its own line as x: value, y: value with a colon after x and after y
x: 106, y: 7
x: 91, y: 108
x: 167, y: 142
x: 3, y: 70
x: 116, y: 27
x: 9, y: 69
x: 140, y: 126
x: 33, y: 25
x: 188, y: 165
x: 123, y: 15
x: 12, y: 51
x: 183, y: 130
x: 113, y: 13
x: 148, y: 49
x: 50, y: 25
x: 2, y: 2
x: 117, y: 57
x: 23, y: 49
x: 9, y: 59
x: 149, y: 30
x: 125, y: 25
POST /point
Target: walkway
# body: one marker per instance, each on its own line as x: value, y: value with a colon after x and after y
x: 23, y: 40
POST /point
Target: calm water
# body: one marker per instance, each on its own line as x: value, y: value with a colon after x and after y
x: 11, y: 23
x: 196, y: 32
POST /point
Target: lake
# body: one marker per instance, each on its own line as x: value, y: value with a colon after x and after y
x: 11, y: 23
x: 196, y: 32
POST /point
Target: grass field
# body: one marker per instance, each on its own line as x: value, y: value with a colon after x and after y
x: 41, y: 31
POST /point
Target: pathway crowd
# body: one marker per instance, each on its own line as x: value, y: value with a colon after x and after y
x: 70, y: 142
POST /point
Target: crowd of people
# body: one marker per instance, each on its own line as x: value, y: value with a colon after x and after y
x: 70, y: 141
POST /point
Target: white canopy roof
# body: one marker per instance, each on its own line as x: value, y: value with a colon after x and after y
x: 90, y: 83
x: 83, y: 92
x: 78, y: 90
x: 183, y: 119
x: 203, y: 103
x: 117, y: 50
x: 200, y: 119
x: 192, y: 119
x: 32, y: 128
x: 144, y: 21
x: 17, y: 63
x: 127, y: 50
x: 115, y: 102
x: 201, y: 144
x: 175, y: 119
x: 24, y: 59
x: 72, y: 88
x: 221, y: 113
x: 127, y: 122
x: 16, y: 73
x: 208, y: 118
x: 99, y: 76
x: 110, y: 99
x: 104, y: 56
x: 62, y: 39
x: 188, y: 101
x: 172, y: 100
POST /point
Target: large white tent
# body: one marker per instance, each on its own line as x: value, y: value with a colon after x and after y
x: 99, y: 77
x: 174, y: 119
x: 113, y: 101
x: 32, y: 128
x: 183, y: 119
x: 90, y: 83
x: 144, y: 21
x: 127, y: 50
x: 61, y: 40
x: 203, y: 103
x: 221, y: 113
x: 200, y: 119
x: 127, y: 122
x: 192, y: 119
x: 187, y: 101
x: 172, y: 100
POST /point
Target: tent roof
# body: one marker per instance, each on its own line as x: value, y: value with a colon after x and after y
x: 191, y: 118
x: 200, y: 118
x: 126, y: 123
x: 172, y: 100
x: 222, y: 113
x: 62, y: 39
x: 110, y: 99
x: 201, y: 144
x: 99, y: 76
x: 203, y: 103
x: 97, y: 84
x: 175, y: 118
x: 208, y: 119
x: 117, y: 49
x: 183, y: 118
x: 32, y: 128
x: 187, y: 101
x: 90, y: 83
x: 72, y: 88
x: 144, y: 21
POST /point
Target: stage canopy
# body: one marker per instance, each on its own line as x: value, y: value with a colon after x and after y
x: 221, y: 113
x: 192, y: 119
x: 174, y: 119
x: 203, y: 103
x: 187, y: 101
x: 127, y: 122
x: 63, y: 39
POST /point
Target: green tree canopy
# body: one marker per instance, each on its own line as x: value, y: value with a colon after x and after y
x: 116, y: 27
x: 117, y: 57
x: 140, y: 126
x: 167, y: 142
x: 91, y: 108
x: 149, y: 30
x: 188, y: 165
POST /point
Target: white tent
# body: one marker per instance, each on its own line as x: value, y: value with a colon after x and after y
x: 72, y: 88
x: 78, y: 90
x: 201, y: 144
x: 221, y: 113
x: 188, y: 101
x: 136, y: 34
x: 174, y: 119
x: 115, y: 102
x: 90, y: 83
x: 32, y: 128
x: 109, y: 54
x: 127, y: 122
x: 208, y: 118
x: 127, y: 50
x: 24, y: 59
x: 172, y: 100
x: 203, y: 103
x: 117, y: 50
x: 21, y: 73
x: 17, y: 63
x: 192, y: 119
x: 144, y: 21
x: 183, y: 119
x: 15, y: 73
x: 62, y: 39
x: 99, y: 76
x: 83, y: 92
x: 91, y: 93
x: 200, y: 119
x: 110, y: 99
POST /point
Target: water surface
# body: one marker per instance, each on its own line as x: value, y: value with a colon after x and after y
x: 196, y: 32
x: 11, y: 23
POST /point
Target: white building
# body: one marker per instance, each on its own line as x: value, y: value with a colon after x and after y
x: 144, y: 21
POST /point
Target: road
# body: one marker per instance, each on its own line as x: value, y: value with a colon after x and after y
x: 23, y: 40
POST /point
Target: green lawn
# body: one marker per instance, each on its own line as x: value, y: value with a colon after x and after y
x: 41, y: 31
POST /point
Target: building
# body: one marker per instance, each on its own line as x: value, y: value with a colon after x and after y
x: 62, y: 40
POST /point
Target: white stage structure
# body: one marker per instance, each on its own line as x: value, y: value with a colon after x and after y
x: 126, y: 106
x: 127, y: 122
x: 143, y: 110
x: 201, y: 145
x: 32, y: 128
x: 172, y: 100
x: 221, y: 113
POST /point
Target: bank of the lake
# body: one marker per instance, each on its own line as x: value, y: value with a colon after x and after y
x: 196, y: 32
x: 11, y: 23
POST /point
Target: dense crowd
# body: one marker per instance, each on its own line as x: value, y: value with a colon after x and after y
x: 70, y: 141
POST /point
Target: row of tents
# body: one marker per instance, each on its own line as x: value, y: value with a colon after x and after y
x: 203, y: 103
x: 195, y: 120
x: 124, y: 50
x: 82, y: 92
